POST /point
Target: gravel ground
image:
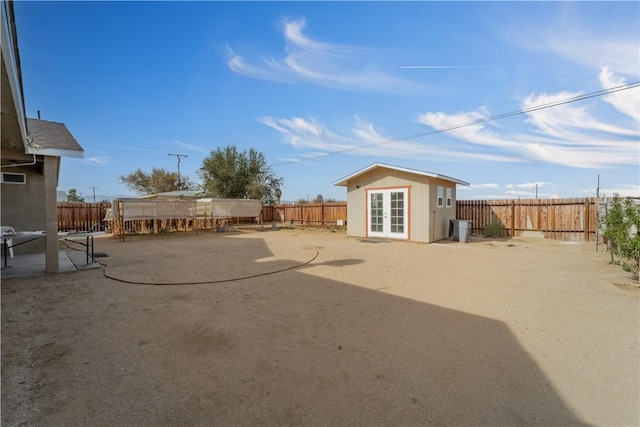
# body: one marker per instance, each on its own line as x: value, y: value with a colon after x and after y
x: 299, y: 327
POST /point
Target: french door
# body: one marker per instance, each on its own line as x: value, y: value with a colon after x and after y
x: 388, y: 213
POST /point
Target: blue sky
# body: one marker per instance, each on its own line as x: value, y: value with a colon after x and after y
x: 324, y: 89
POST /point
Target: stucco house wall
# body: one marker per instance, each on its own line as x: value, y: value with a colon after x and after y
x: 32, y: 206
x: 23, y: 205
x: 32, y: 147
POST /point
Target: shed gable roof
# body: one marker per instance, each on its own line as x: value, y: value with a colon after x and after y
x: 346, y: 179
x: 52, y: 139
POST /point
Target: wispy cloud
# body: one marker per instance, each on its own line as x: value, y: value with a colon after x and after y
x: 511, y: 191
x: 578, y: 42
x: 538, y: 184
x: 512, y: 195
x: 140, y: 149
x: 471, y: 67
x: 364, y: 139
x: 100, y: 159
x: 593, y: 51
x: 624, y: 190
x: 488, y: 185
x: 567, y: 134
x: 628, y: 105
x: 191, y: 147
x: 520, y: 193
x: 325, y: 64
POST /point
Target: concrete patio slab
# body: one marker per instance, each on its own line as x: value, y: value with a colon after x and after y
x: 32, y: 265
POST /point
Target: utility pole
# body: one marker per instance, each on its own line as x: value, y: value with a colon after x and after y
x: 94, y: 193
x: 178, y: 156
x: 597, y: 212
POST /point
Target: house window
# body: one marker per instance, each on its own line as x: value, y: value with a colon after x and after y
x: 448, y: 197
x: 14, y: 178
x: 440, y: 197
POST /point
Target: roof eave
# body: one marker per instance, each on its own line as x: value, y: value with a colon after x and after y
x: 54, y: 152
x: 11, y: 58
x: 343, y: 182
x: 457, y: 181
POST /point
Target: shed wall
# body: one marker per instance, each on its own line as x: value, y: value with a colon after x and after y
x: 420, y: 208
x: 427, y: 222
x: 440, y: 217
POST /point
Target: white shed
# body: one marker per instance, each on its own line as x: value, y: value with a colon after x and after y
x: 386, y: 201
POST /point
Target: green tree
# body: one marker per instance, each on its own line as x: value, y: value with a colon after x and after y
x: 621, y: 227
x: 158, y: 181
x: 319, y: 199
x: 72, y: 196
x: 228, y: 173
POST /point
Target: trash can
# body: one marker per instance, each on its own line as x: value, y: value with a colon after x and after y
x: 454, y: 229
x: 465, y: 230
x: 460, y: 230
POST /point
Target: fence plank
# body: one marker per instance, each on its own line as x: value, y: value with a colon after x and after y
x: 81, y: 216
x: 560, y: 219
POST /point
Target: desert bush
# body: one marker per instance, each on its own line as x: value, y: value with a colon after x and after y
x: 621, y: 230
x: 494, y: 229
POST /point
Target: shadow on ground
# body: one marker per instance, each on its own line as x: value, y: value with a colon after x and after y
x: 283, y: 349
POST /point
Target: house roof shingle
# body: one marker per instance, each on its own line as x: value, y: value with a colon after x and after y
x: 52, y: 135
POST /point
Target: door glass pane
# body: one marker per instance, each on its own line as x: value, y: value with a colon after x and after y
x: 376, y: 213
x: 397, y: 212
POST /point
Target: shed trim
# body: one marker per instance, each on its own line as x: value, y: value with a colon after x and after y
x: 343, y: 182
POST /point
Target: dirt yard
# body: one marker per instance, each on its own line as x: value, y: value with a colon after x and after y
x: 303, y: 327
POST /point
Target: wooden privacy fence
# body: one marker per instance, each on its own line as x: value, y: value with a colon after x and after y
x: 89, y: 216
x: 313, y: 214
x: 82, y: 216
x: 557, y: 219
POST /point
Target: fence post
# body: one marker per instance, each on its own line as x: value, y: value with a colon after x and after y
x: 121, y: 217
x: 513, y: 217
x: 586, y: 219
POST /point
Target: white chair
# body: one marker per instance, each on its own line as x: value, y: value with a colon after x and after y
x: 8, y: 230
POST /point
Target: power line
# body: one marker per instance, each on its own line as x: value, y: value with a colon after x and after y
x: 484, y: 120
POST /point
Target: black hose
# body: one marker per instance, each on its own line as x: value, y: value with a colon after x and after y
x: 208, y: 282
